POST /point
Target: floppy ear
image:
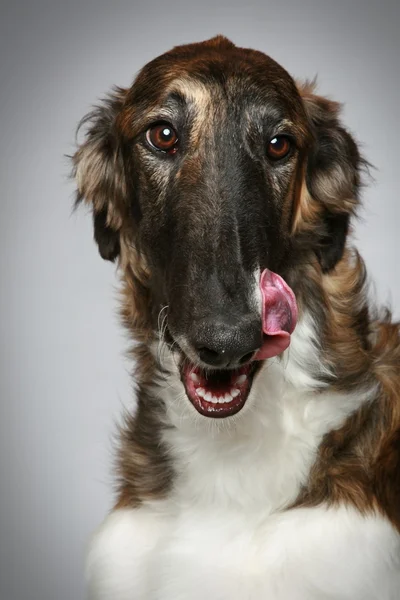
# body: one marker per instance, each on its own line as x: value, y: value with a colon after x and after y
x: 332, y: 175
x: 100, y: 174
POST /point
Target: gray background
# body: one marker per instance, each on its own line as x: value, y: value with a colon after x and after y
x: 63, y: 376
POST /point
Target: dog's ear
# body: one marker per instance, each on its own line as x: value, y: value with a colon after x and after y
x: 332, y: 175
x: 100, y: 173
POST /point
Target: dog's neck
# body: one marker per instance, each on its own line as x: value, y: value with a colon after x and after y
x: 339, y: 306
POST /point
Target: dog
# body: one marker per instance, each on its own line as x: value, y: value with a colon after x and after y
x: 262, y: 459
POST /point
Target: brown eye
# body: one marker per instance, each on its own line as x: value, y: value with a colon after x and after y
x: 279, y: 147
x: 163, y: 137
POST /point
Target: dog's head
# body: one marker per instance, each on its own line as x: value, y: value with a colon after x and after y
x: 211, y: 168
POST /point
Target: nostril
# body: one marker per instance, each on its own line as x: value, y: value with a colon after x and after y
x: 211, y: 357
x: 208, y: 356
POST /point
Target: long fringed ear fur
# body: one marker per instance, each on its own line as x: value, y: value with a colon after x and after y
x: 100, y: 174
x: 332, y: 174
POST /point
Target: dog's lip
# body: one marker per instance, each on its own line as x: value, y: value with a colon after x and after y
x: 217, y: 394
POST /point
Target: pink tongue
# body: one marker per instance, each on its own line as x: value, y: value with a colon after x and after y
x: 279, y: 314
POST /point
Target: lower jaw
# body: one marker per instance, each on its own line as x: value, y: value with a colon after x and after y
x: 218, y: 394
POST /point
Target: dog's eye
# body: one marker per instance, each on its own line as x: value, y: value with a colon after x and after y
x: 279, y: 147
x: 163, y: 137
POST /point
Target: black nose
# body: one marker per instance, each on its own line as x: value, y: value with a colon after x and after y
x: 226, y: 343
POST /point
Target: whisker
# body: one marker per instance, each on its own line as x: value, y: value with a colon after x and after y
x: 161, y: 328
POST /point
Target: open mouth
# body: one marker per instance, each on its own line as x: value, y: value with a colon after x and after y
x: 219, y: 393
x: 222, y: 393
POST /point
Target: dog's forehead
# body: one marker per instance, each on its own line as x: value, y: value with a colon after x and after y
x: 198, y: 71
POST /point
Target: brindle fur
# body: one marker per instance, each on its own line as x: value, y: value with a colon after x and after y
x: 175, y: 225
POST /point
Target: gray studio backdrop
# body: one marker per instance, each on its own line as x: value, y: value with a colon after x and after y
x: 63, y: 377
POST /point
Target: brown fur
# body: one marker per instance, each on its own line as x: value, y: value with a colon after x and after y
x: 359, y: 463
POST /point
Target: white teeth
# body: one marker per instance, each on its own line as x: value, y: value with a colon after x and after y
x: 213, y: 399
x: 241, y: 379
x: 194, y: 377
x: 228, y: 397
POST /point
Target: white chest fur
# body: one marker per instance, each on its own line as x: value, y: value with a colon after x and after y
x: 302, y: 554
x: 223, y: 533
